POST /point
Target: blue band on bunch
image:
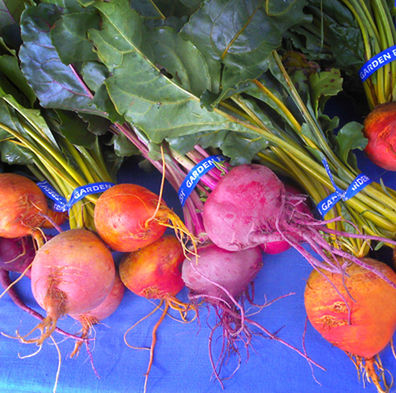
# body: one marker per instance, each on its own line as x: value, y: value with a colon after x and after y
x: 61, y: 204
x: 192, y: 178
x: 376, y: 62
x: 356, y: 186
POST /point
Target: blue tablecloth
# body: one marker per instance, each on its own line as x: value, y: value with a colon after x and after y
x: 181, y: 362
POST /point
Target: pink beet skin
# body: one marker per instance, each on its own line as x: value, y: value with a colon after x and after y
x: 219, y: 270
x: 243, y: 207
x: 296, y: 196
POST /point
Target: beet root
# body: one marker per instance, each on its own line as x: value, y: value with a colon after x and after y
x: 23, y: 206
x: 356, y: 312
x: 250, y: 206
x: 71, y: 274
x: 121, y: 217
x: 107, y: 307
x: 222, y: 280
x: 380, y: 130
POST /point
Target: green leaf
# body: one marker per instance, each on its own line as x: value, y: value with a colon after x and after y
x: 13, y: 154
x: 350, y: 137
x: 67, y: 5
x: 336, y: 37
x: 123, y: 147
x: 240, y: 35
x: 55, y: 84
x: 240, y: 148
x: 7, y: 49
x: 140, y: 92
x: 14, y: 114
x: 10, y: 152
x: 183, y: 61
x: 74, y: 130
x: 94, y: 74
x: 279, y: 8
x: 324, y: 85
x: 186, y: 143
x: 95, y: 124
x: 9, y: 67
x: 165, y: 8
x: 69, y: 36
x: 10, y: 12
x: 102, y: 100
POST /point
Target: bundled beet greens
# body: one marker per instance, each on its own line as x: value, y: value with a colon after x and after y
x: 191, y: 78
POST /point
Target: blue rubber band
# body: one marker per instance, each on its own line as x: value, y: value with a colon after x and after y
x: 61, y: 204
x: 376, y: 62
x: 192, y: 178
x: 356, y: 186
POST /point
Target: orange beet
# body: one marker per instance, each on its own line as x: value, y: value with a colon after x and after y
x: 71, y: 274
x: 121, y: 217
x: 368, y: 325
x: 107, y: 307
x: 380, y: 130
x: 373, y: 314
x: 22, y: 206
x: 154, y: 271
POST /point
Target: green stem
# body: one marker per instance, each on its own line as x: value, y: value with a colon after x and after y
x: 101, y: 165
x: 387, y: 29
x: 323, y: 145
x: 50, y: 150
x: 361, y: 201
x: 80, y: 162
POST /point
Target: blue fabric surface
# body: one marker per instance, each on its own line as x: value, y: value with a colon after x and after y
x: 181, y: 362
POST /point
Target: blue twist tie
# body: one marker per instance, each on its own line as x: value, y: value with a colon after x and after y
x: 61, y: 204
x: 356, y: 186
x: 376, y: 62
x: 192, y: 178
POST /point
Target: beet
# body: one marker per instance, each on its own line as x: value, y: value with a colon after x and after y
x: 71, y: 274
x: 16, y: 254
x: 121, y: 217
x: 107, y: 307
x: 23, y: 206
x: 250, y: 206
x: 222, y: 279
x: 380, y: 130
x: 356, y: 312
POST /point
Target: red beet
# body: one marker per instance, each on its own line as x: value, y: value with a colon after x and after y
x: 299, y: 201
x: 250, y: 206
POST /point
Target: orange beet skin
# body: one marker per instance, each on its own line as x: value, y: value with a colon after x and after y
x: 380, y: 130
x: 121, y: 217
x: 72, y: 273
x: 373, y: 313
x: 22, y: 206
x: 154, y: 271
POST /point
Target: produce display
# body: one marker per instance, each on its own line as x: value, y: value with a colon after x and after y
x: 165, y: 156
